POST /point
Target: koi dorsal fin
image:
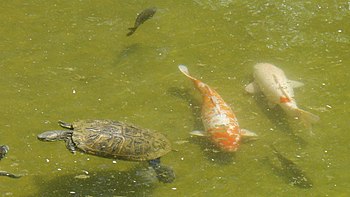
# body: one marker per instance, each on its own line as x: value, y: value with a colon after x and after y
x: 286, y: 97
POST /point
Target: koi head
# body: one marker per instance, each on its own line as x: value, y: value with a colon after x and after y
x: 225, y: 141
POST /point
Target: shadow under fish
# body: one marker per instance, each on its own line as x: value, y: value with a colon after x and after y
x: 289, y: 171
x: 141, y: 18
x: 126, y: 53
x: 278, y: 118
x: 3, y: 151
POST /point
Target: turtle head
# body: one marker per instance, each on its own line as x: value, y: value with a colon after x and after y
x: 51, y: 136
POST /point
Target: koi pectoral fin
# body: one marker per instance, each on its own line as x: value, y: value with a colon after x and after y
x: 199, y: 133
x: 248, y: 135
x: 295, y: 84
x: 252, y: 88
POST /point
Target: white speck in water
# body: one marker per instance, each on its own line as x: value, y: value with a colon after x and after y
x: 174, y: 188
x: 59, y: 169
x: 88, y: 159
x: 159, y: 54
x: 86, y: 172
x: 182, y: 158
x: 212, y: 159
x: 328, y: 106
x: 74, y: 91
x: 325, y: 151
x: 339, y: 30
x: 114, y: 161
x: 71, y: 192
x: 47, y: 160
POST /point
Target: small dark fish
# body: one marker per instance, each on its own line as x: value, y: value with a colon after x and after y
x: 293, y: 174
x: 3, y: 151
x: 141, y: 18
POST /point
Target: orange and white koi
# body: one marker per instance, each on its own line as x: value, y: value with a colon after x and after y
x: 220, y: 123
x: 273, y: 83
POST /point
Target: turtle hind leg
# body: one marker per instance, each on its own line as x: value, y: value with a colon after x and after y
x: 165, y: 174
x: 65, y: 125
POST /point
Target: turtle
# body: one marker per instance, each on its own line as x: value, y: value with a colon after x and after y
x: 116, y: 140
x: 4, y: 149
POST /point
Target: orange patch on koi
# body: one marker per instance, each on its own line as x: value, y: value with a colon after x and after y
x: 284, y: 99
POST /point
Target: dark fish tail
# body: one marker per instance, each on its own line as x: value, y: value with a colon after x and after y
x: 132, y: 30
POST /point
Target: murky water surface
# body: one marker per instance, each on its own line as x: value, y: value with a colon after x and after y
x: 69, y: 60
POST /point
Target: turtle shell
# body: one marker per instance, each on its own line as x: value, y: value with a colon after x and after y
x: 114, y: 139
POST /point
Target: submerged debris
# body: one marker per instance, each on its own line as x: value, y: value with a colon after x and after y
x: 8, y: 174
x: 3, y: 151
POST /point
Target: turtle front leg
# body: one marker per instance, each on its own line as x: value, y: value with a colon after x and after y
x: 65, y: 125
x: 70, y: 145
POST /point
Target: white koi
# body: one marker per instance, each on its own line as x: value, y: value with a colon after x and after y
x: 273, y: 83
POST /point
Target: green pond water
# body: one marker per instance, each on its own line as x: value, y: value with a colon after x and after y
x: 69, y: 60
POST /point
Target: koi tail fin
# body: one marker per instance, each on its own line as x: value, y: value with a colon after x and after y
x: 132, y: 30
x: 306, y: 117
x: 185, y: 71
